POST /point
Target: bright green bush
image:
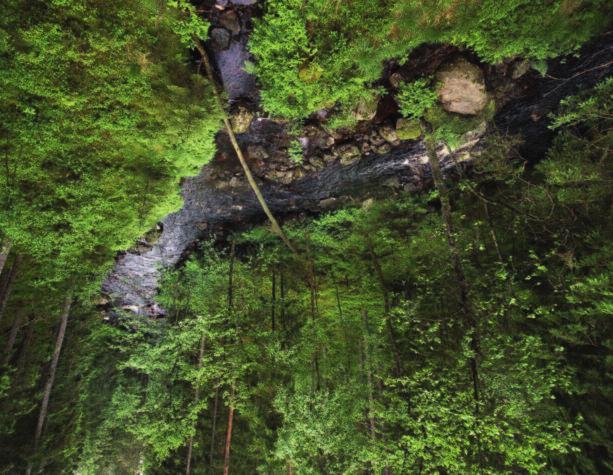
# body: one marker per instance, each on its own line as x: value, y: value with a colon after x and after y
x: 317, y: 53
x: 416, y: 98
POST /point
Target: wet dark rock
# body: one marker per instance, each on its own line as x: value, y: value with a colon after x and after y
x: 257, y: 152
x: 220, y: 39
x: 231, y: 64
x: 230, y: 21
x: 230, y: 56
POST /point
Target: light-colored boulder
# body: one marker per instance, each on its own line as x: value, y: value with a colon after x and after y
x: 389, y: 134
x: 462, y: 87
x: 349, y: 153
x: 241, y: 120
x: 366, y: 109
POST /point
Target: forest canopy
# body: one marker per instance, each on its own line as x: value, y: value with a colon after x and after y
x: 277, y: 237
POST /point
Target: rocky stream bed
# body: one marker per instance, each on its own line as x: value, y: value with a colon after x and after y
x: 338, y: 167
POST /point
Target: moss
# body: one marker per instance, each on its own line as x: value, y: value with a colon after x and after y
x: 451, y: 127
x: 408, y: 129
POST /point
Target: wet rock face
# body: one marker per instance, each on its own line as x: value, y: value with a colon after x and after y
x: 228, y: 44
x: 220, y: 39
x: 462, y: 88
x: 210, y: 210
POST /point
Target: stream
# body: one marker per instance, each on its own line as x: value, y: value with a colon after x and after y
x: 219, y: 200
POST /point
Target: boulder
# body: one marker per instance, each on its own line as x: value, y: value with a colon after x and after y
x: 366, y: 109
x: 383, y: 149
x: 348, y: 153
x: 257, y: 152
x: 462, y: 87
x: 317, y: 162
x: 408, y: 129
x: 220, y: 39
x: 395, y: 80
x: 230, y: 21
x: 327, y: 203
x: 389, y: 134
x: 520, y: 68
x: 241, y: 120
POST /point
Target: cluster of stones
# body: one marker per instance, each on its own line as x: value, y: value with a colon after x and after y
x: 461, y: 90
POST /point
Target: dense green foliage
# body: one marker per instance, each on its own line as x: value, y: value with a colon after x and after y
x: 353, y: 356
x: 319, y: 53
x: 100, y: 116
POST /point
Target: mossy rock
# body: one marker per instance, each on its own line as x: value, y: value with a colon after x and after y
x: 408, y: 129
x: 451, y: 127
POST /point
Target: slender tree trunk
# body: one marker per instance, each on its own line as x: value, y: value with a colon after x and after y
x: 226, y: 457
x: 190, y: 446
x: 456, y: 261
x: 25, y: 345
x: 230, y: 278
x: 387, y: 307
x: 254, y: 186
x: 490, y: 223
x: 313, y: 288
x: 284, y: 326
x: 345, y: 336
x: 368, y: 369
x: 51, y: 377
x: 273, y: 303
x: 5, y: 292
x: 214, y: 424
x: 8, y: 351
x: 5, y: 249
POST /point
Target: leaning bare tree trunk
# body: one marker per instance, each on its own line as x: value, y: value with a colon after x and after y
x: 458, y: 269
x: 254, y: 186
x: 5, y: 249
x: 5, y: 292
x: 51, y: 378
x: 190, y: 446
